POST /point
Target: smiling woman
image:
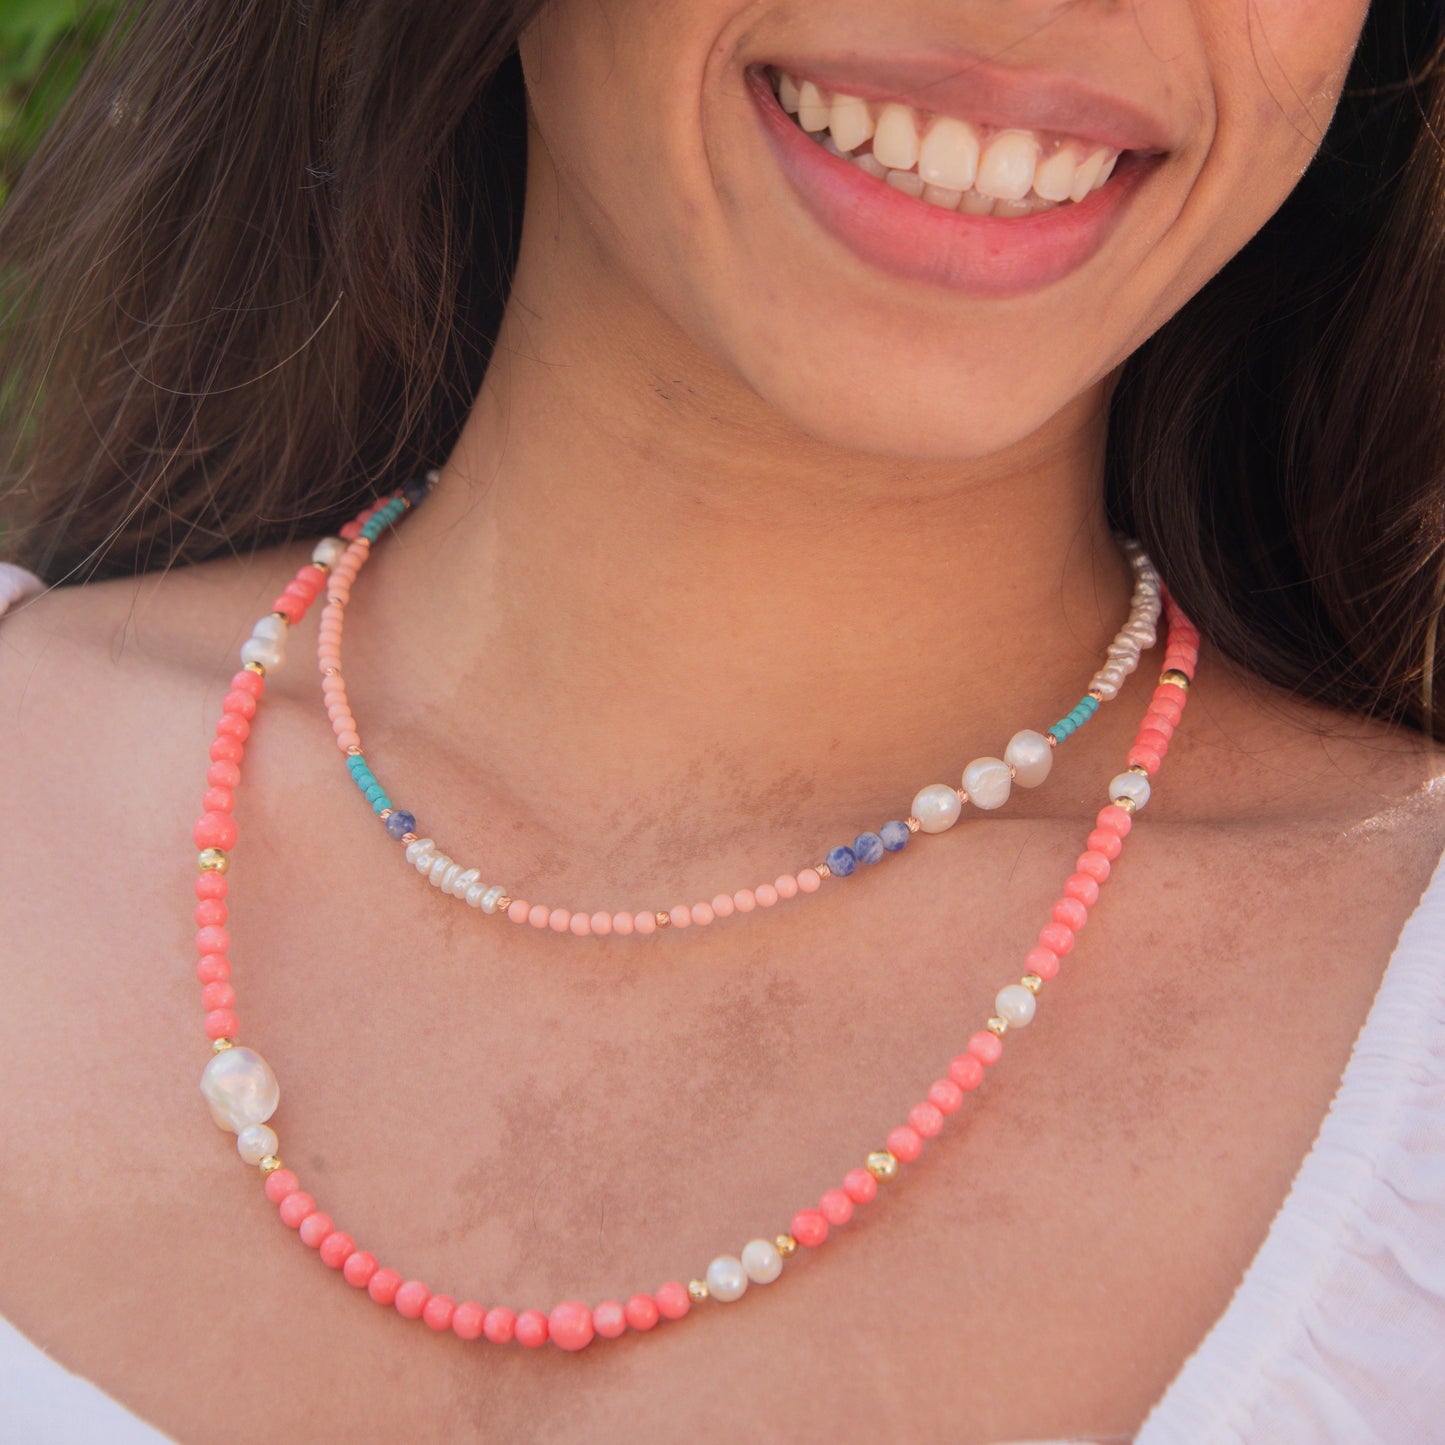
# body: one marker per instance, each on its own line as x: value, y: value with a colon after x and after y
x: 928, y: 535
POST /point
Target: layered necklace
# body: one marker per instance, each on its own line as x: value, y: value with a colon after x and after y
x: 242, y: 1090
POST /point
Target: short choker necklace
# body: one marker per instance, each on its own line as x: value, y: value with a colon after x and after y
x: 243, y: 1093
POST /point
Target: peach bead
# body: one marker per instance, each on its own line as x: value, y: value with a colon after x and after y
x: 786, y: 885
x: 314, y: 1229
x: 348, y: 740
x: 809, y: 880
x: 336, y: 1249
x: 570, y: 1325
x: 531, y: 1329
x: 1113, y: 819
x: 539, y: 915
x: 672, y: 1300
x: 213, y: 939
x: 209, y: 911
x: 467, y: 1320
x: 945, y: 1096
x: 280, y: 1183
x: 745, y: 900
x: 410, y: 1299
x: 681, y: 915
x: 836, y: 1207
x: 438, y: 1311
x: 966, y: 1070
x: 223, y: 775
x: 215, y: 830
x: 221, y: 1023
x: 558, y: 919
x: 1082, y: 887
x: 213, y: 968
x: 809, y: 1228
x: 904, y: 1143
x: 1071, y: 913
x: 580, y: 924
x: 1057, y: 938
x: 985, y: 1046
x: 359, y: 1268
x: 926, y: 1119
x: 609, y: 1319
x: 766, y: 895
x: 500, y: 1326
x: 622, y: 923
x: 601, y: 923
x: 295, y: 1208
x: 1107, y: 845
x: 518, y: 909
x: 860, y: 1186
x: 218, y: 800
x: 219, y: 994
x: 702, y: 914
x: 644, y: 922
x: 1042, y: 961
x: 641, y: 1311
x: 723, y: 906
x: 1093, y: 865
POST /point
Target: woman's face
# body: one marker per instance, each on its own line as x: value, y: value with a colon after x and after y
x: 952, y: 323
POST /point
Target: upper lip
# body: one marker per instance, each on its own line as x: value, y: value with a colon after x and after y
x: 983, y: 91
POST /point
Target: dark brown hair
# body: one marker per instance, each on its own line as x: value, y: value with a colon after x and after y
x: 256, y: 271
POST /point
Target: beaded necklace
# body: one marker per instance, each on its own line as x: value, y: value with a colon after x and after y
x: 242, y: 1090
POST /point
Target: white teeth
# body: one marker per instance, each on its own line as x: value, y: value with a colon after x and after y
x: 1054, y: 178
x: 1006, y: 168
x: 870, y: 163
x: 949, y: 154
x: 895, y: 141
x: 976, y: 204
x: 1106, y: 170
x: 909, y: 182
x: 942, y: 196
x: 812, y: 108
x: 788, y: 93
x: 849, y: 121
x: 1086, y: 175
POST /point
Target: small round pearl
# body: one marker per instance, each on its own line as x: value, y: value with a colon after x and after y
x: 263, y: 650
x: 936, y: 807
x: 987, y: 782
x: 1134, y: 786
x: 727, y: 1280
x: 1016, y: 1004
x: 328, y: 551
x: 240, y: 1088
x: 762, y: 1261
x: 256, y: 1141
x: 1030, y: 756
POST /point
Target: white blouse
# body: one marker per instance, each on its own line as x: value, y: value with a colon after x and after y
x: 1335, y: 1335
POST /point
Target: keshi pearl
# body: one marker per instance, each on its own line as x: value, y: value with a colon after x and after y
x: 987, y: 782
x: 260, y: 649
x: 271, y: 628
x: 761, y: 1260
x: 1016, y: 1004
x: 936, y: 807
x: 328, y: 551
x: 1030, y: 756
x: 1133, y: 786
x: 727, y: 1280
x: 256, y: 1141
x: 240, y: 1088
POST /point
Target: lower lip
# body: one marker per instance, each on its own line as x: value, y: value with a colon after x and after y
x: 979, y: 255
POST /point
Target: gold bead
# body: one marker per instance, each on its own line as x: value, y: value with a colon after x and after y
x: 410, y: 837
x: 283, y: 617
x: 786, y: 1245
x: 255, y: 667
x: 697, y: 1290
x: 1053, y: 741
x: 324, y: 566
x: 270, y: 1164
x: 385, y: 813
x: 213, y: 860
x: 219, y: 1046
x: 1032, y: 982
x: 1174, y: 678
x: 1096, y: 694
x: 998, y: 1026
x: 882, y: 1164
x: 822, y: 870
x: 353, y: 751
x: 1140, y: 769
x: 1127, y: 804
x: 664, y: 920
x: 333, y: 672
x: 504, y: 903
x: 962, y: 794
x: 912, y: 823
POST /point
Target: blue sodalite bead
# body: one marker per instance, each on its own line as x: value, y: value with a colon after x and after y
x: 841, y: 861
x: 416, y: 490
x: 868, y: 847
x: 894, y: 836
x: 400, y: 822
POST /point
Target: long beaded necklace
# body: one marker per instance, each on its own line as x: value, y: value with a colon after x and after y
x: 242, y: 1090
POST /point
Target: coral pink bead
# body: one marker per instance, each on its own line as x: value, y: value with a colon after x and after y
x: 925, y: 1119
x: 296, y: 1208
x: 359, y: 1268
x: 1082, y: 887
x: 221, y: 1023
x: 581, y: 924
x: 786, y: 885
x: 1156, y: 722
x: 518, y: 909
x: 745, y: 900
x: 766, y: 895
x: 809, y: 1228
x: 251, y: 682
x: 213, y: 968
x: 672, y: 1300
x: 609, y: 1319
x: 1107, y: 845
x: 226, y: 750
x: 411, y: 1299
x: 314, y: 1229
x: 219, y: 994
x: 500, y: 1326
x: 809, y: 880
x: 1145, y: 758
x: 280, y: 1183
x: 644, y: 922
x: 681, y: 915
x: 601, y: 923
x: 986, y: 1047
x: 211, y: 884
x: 288, y: 607
x: 904, y: 1143
x: 723, y: 906
x: 1153, y: 739
x: 350, y: 531
x: 215, y: 830
x: 336, y: 1248
x: 228, y: 725
x: 539, y: 915
x: 1093, y: 865
x: 642, y: 1312
x: 558, y: 919
x: 966, y: 1070
x: 213, y: 939
x: 218, y: 800
x: 622, y: 923
x: 532, y: 1329
x: 836, y: 1207
x: 945, y: 1096
x: 1042, y: 961
x: 1113, y: 819
x: 570, y: 1325
x: 1057, y: 938
x: 210, y: 911
x: 1071, y: 913
x: 383, y: 1285
x: 240, y: 703
x: 467, y: 1320
x: 702, y: 914
x: 860, y: 1186
x: 437, y: 1313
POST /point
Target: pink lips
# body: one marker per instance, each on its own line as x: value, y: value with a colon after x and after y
x: 978, y: 255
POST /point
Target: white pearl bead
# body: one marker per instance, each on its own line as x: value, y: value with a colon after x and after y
x: 1030, y: 756
x: 987, y: 782
x: 727, y: 1280
x: 1016, y: 1004
x: 256, y: 1141
x: 263, y: 650
x: 475, y: 893
x: 937, y: 807
x: 762, y: 1261
x: 328, y: 551
x: 272, y: 628
x: 437, y: 874
x: 490, y: 897
x: 1134, y: 786
x: 460, y: 885
x: 416, y: 849
x: 240, y: 1088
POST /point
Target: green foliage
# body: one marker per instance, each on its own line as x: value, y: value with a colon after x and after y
x: 44, y: 45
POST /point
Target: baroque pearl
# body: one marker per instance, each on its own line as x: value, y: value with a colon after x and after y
x: 1134, y: 786
x: 256, y: 1141
x: 1016, y: 1004
x: 937, y: 807
x: 727, y: 1280
x: 987, y: 782
x: 240, y: 1088
x: 1030, y: 756
x: 762, y: 1261
x: 268, y: 653
x: 328, y: 551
